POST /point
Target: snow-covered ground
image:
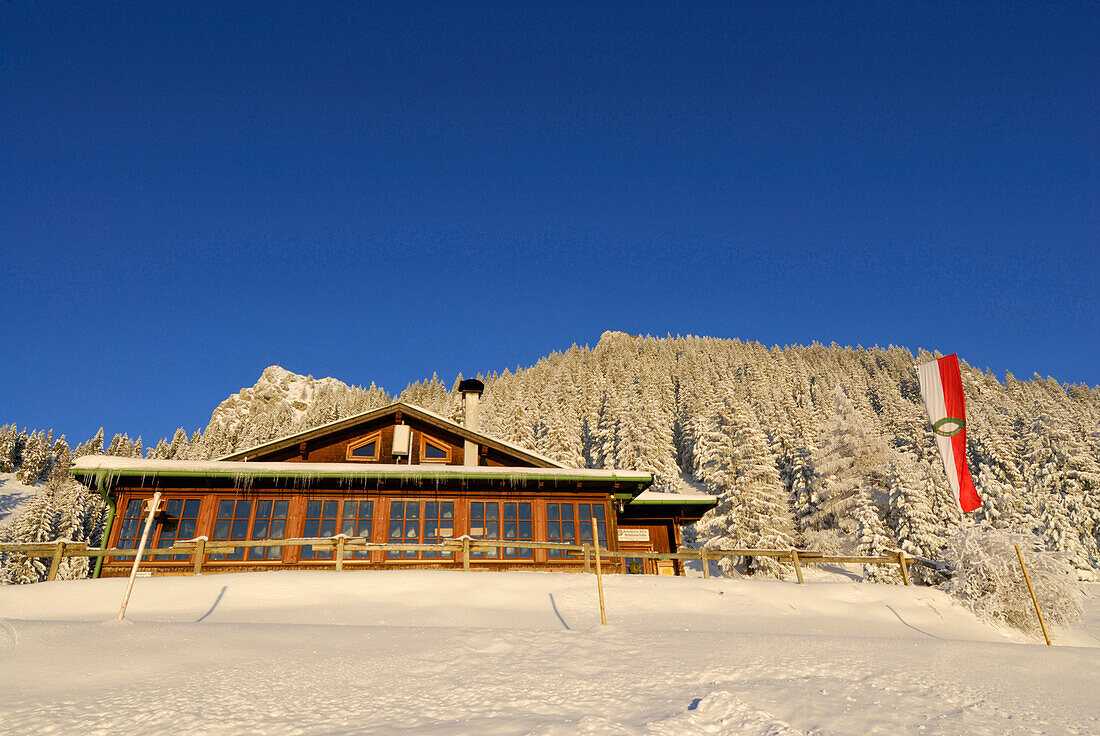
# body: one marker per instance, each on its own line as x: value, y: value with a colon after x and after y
x: 440, y: 652
x: 13, y: 495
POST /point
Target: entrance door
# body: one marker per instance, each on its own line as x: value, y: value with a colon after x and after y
x: 650, y: 538
x: 637, y: 565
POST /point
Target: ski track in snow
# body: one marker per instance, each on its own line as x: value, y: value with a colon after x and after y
x: 447, y: 653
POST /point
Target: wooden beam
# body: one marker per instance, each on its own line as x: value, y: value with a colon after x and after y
x: 200, y: 553
x: 56, y: 561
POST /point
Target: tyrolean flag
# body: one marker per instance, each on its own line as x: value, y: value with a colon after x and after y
x: 941, y: 388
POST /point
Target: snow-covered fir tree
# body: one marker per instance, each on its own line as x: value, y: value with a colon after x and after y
x: 813, y: 459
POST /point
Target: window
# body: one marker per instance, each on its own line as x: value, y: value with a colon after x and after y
x: 270, y: 523
x: 488, y: 520
x: 232, y: 524
x: 352, y: 517
x: 366, y: 448
x: 585, y: 513
x: 571, y: 523
x: 433, y: 450
x: 439, y: 524
x: 176, y: 522
x: 321, y: 517
x: 242, y: 520
x: 132, y: 521
x: 356, y: 521
x: 420, y: 522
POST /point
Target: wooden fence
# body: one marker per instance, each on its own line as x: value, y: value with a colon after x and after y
x: 462, y: 548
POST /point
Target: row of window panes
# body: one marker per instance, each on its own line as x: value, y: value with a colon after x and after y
x: 571, y: 523
x: 180, y: 519
x: 411, y: 522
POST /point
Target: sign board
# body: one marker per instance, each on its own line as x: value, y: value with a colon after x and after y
x: 633, y: 535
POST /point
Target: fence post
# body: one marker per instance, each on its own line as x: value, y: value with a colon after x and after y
x: 153, y: 503
x: 904, y: 567
x: 340, y: 552
x: 200, y: 552
x: 599, y: 574
x: 705, y: 562
x: 1034, y: 600
x: 465, y: 553
x: 587, y: 557
x: 797, y: 565
x: 56, y: 560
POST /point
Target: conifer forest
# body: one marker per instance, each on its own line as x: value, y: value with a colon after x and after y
x: 820, y: 446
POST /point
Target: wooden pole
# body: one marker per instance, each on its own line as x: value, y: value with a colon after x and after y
x: 340, y: 552
x: 705, y: 562
x: 56, y: 561
x: 599, y: 573
x: 587, y: 558
x: 1039, y: 613
x: 904, y: 567
x: 200, y: 552
x: 465, y: 553
x: 797, y: 566
x: 153, y: 503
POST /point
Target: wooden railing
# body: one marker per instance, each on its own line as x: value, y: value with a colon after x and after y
x: 458, y: 548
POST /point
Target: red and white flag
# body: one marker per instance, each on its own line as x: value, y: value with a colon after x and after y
x: 942, y: 390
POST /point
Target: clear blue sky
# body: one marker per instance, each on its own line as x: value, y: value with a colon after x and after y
x: 191, y: 191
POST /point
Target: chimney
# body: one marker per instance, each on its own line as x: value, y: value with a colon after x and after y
x: 471, y: 390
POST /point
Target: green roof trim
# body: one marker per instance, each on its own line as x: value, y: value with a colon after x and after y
x: 674, y: 501
x: 89, y: 467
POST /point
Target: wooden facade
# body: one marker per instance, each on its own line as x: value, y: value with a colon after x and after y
x: 440, y: 480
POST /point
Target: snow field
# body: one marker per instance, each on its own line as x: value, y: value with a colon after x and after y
x: 13, y: 495
x: 441, y: 652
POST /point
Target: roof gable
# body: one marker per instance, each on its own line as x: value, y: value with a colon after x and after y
x: 521, y: 456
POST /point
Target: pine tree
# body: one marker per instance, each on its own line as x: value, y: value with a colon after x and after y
x: 872, y: 538
x: 36, y: 458
x: 37, y: 523
x: 93, y: 446
x: 178, y: 448
x: 7, y: 448
x: 738, y: 467
x: 851, y: 457
x: 62, y: 459
x: 917, y: 530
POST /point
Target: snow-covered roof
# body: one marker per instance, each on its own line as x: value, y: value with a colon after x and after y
x: 90, y: 465
x: 411, y: 409
x: 656, y: 498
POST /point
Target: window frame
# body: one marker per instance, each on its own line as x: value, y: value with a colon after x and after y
x: 286, y: 554
x: 425, y: 440
x: 244, y: 552
x: 421, y: 522
x: 156, y: 532
x: 270, y: 520
x: 358, y: 521
x: 318, y: 555
x: 553, y: 555
x: 354, y: 445
x: 501, y: 554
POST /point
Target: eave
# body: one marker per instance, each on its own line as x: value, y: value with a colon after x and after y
x: 92, y: 466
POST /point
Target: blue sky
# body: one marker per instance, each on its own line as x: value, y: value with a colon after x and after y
x: 194, y: 191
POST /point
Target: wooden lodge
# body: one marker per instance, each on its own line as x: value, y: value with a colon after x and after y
x: 398, y: 474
